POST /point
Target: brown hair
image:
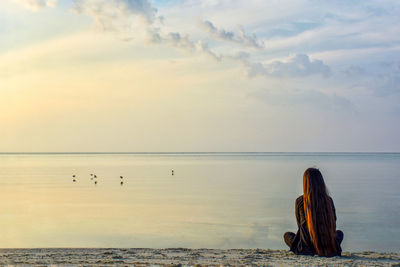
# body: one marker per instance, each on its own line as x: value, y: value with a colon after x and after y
x: 318, y: 209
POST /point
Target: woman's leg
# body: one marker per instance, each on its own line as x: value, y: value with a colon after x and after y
x: 339, y: 236
x: 289, y: 237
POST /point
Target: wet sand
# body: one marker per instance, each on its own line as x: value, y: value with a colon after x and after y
x: 187, y: 257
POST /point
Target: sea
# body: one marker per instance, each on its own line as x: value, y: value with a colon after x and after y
x: 191, y: 200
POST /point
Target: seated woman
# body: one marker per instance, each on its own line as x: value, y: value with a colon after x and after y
x: 316, y: 219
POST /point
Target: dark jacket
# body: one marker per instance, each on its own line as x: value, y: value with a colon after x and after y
x: 302, y: 242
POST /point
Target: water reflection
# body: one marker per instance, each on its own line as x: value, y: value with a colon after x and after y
x: 214, y: 201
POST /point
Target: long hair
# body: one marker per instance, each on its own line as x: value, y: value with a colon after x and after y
x: 319, y: 213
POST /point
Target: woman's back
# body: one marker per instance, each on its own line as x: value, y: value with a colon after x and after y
x: 303, y: 244
x: 316, y: 220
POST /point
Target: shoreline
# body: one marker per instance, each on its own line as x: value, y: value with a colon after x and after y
x: 187, y: 257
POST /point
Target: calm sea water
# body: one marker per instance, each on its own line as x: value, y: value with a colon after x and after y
x: 213, y: 200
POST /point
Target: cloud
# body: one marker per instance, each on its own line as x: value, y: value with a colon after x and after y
x: 36, y: 5
x: 122, y: 16
x: 388, y: 83
x: 241, y: 37
x: 180, y: 41
x: 295, y: 65
x: 380, y: 79
x: 183, y: 42
x: 353, y: 71
x: 130, y: 17
x: 117, y: 15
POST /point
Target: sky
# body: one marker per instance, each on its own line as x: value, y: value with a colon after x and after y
x: 212, y: 75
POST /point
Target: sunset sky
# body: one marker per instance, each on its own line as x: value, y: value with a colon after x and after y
x: 213, y: 75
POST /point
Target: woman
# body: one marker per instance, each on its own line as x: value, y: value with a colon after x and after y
x: 316, y: 219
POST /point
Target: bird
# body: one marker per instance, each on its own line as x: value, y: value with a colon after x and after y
x: 73, y: 175
x: 74, y: 180
x: 91, y: 174
x: 122, y: 183
x: 172, y: 171
x: 121, y: 177
x: 95, y: 182
x: 95, y: 176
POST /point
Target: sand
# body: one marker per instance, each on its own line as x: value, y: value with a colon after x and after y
x: 187, y: 257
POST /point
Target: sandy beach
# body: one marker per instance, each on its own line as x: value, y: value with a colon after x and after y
x: 187, y: 257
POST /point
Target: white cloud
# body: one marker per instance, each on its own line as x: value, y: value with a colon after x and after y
x: 294, y: 66
x: 36, y: 5
x: 241, y: 37
x: 122, y: 16
x: 183, y: 42
x: 130, y: 17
